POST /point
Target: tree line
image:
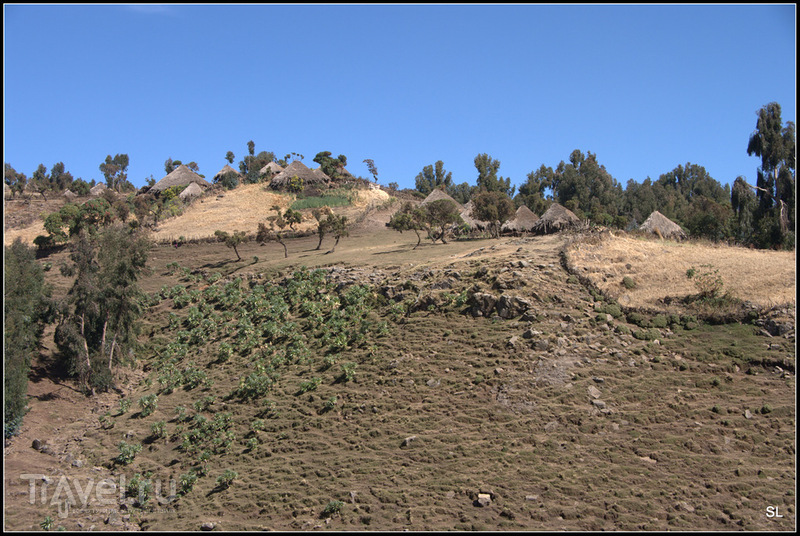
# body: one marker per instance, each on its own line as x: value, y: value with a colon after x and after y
x: 760, y: 214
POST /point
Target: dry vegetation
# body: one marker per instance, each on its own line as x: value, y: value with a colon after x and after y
x: 563, y: 417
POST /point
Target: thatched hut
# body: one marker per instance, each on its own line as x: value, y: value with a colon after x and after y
x: 299, y: 170
x: 438, y: 194
x: 227, y: 170
x: 69, y: 194
x: 193, y: 190
x: 321, y: 175
x: 271, y: 168
x: 522, y: 222
x: 180, y: 176
x: 662, y: 226
x: 98, y: 189
x: 466, y: 215
x: 556, y: 218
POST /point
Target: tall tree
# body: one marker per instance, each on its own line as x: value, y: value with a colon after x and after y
x: 26, y: 309
x: 40, y: 181
x: 60, y: 178
x: 331, y: 166
x: 371, y: 168
x: 409, y: 218
x: 494, y: 207
x: 229, y: 157
x: 743, y: 203
x: 487, y: 176
x: 115, y: 171
x: 432, y: 177
x: 775, y: 182
x: 16, y: 181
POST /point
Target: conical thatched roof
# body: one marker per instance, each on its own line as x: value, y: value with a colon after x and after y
x: 98, y: 189
x: 69, y: 194
x: 225, y: 171
x: 523, y: 221
x: 272, y: 167
x: 296, y: 168
x: 438, y: 194
x: 180, y: 176
x: 659, y: 224
x: 193, y: 190
x: 556, y: 218
x: 321, y: 174
x: 6, y: 191
x: 466, y: 215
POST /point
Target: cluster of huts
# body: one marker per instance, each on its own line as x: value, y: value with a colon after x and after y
x: 556, y: 218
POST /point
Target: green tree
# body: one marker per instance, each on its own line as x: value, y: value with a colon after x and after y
x: 320, y: 214
x: 372, y: 169
x: 233, y: 240
x: 533, y: 193
x: 336, y: 224
x: 40, y: 181
x: 440, y: 216
x: 743, y: 203
x: 26, y: 308
x: 99, y: 318
x: 492, y: 206
x: 487, y: 176
x: 16, y: 181
x: 230, y: 157
x: 115, y: 171
x: 409, y: 218
x: 775, y: 144
x: 273, y: 230
x: 332, y: 167
x: 433, y: 177
x: 60, y: 178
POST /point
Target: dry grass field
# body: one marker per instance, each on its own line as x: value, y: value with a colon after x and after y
x: 425, y: 416
x: 658, y: 268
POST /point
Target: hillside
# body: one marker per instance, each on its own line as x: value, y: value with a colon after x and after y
x: 477, y: 384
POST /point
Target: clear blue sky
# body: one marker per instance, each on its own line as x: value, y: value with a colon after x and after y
x: 644, y: 87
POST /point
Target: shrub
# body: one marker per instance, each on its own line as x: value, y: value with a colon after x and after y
x: 226, y: 479
x: 646, y: 334
x: 628, y: 283
x: 187, y: 482
x: 638, y: 319
x: 708, y: 282
x: 332, y: 508
x: 157, y: 429
x: 659, y: 321
x: 148, y: 403
x: 127, y: 453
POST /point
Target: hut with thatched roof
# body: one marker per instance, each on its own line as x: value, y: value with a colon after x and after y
x: 438, y: 194
x: 299, y: 170
x: 98, y: 189
x: 193, y: 190
x: 7, y: 192
x: 227, y: 170
x: 272, y: 168
x: 556, y: 218
x: 321, y: 175
x: 662, y: 226
x: 69, y: 194
x: 522, y: 222
x: 180, y: 176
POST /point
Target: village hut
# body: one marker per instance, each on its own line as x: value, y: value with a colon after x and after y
x: 7, y: 193
x: 227, y: 170
x: 438, y: 194
x: 98, y: 189
x: 522, y: 222
x: 191, y: 191
x: 321, y: 174
x: 556, y: 218
x: 69, y: 194
x: 271, y: 168
x: 466, y: 215
x: 180, y: 176
x: 662, y: 226
x: 299, y: 170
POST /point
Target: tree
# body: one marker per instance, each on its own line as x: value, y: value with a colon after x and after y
x: 409, y: 218
x: 487, y: 176
x: 229, y: 157
x: 273, y: 231
x: 533, y: 193
x: 60, y: 178
x: 16, y: 181
x: 26, y: 308
x: 320, y: 214
x: 441, y: 215
x: 372, y: 169
x: 40, y: 181
x: 115, y: 171
x: 743, y: 203
x: 232, y: 240
x: 775, y: 182
x: 494, y: 207
x: 433, y: 177
x: 336, y: 225
x: 329, y: 165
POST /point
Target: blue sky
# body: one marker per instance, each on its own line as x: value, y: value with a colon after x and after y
x: 644, y: 87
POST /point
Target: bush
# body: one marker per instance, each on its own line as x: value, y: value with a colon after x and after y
x: 332, y: 508
x: 127, y: 452
x: 148, y: 403
x: 628, y: 283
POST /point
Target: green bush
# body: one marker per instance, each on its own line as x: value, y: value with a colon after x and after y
x: 628, y: 283
x: 127, y: 453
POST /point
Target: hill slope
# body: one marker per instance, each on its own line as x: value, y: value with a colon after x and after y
x: 472, y: 385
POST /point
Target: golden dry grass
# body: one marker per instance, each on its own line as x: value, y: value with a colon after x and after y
x: 658, y: 268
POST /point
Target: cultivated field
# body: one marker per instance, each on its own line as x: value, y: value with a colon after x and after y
x: 474, y: 385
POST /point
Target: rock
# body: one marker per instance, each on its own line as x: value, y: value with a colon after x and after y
x: 542, y: 345
x: 484, y: 499
x: 407, y: 441
x: 77, y: 463
x: 594, y: 392
x: 513, y: 342
x: 531, y: 334
x: 207, y: 526
x: 37, y: 445
x: 748, y: 414
x: 597, y: 379
x: 599, y: 404
x: 511, y: 306
x: 552, y: 425
x: 482, y: 304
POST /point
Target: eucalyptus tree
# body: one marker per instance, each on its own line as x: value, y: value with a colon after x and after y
x: 432, y: 177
